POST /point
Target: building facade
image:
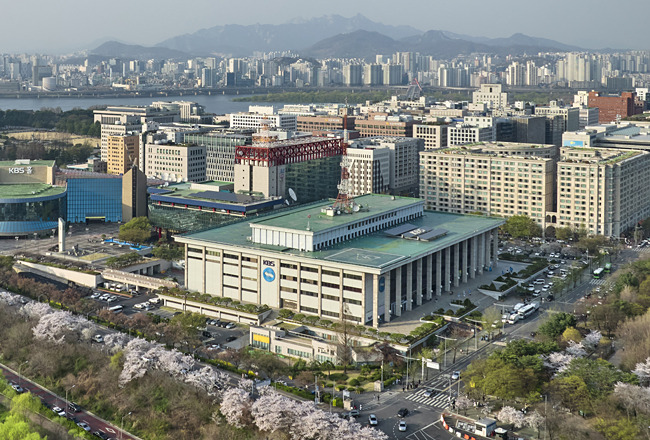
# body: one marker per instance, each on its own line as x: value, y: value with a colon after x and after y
x: 220, y: 152
x: 394, y: 126
x: 269, y: 260
x: 433, y: 135
x: 256, y: 120
x: 494, y: 179
x: 491, y: 95
x: 461, y: 134
x: 176, y: 162
x: 611, y: 108
x: 122, y: 153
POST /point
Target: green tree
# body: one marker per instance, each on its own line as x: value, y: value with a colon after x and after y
x: 168, y: 252
x: 519, y: 226
x: 16, y: 427
x: 556, y: 325
x: 137, y: 230
x: 598, y: 375
x: 571, y: 391
x: 563, y: 233
x: 571, y: 334
x: 189, y: 321
x: 618, y: 429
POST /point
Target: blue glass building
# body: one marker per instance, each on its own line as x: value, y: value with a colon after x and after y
x: 94, y: 199
x: 30, y: 208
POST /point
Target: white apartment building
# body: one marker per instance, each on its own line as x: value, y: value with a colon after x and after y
x: 256, y: 120
x: 502, y: 179
x: 176, y: 162
x: 461, y: 134
x: 604, y: 190
x: 403, y: 163
x: 433, y: 135
x: 491, y: 95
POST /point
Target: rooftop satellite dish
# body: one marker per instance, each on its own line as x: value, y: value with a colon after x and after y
x: 356, y: 208
x: 292, y: 194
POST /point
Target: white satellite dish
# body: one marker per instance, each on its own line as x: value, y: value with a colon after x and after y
x: 356, y: 208
x: 292, y: 194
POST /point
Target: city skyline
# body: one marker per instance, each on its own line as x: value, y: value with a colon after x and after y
x: 59, y: 29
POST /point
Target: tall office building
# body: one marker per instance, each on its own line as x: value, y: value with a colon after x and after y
x: 501, y: 179
x: 122, y: 152
x: 491, y: 95
x: 176, y: 162
x: 433, y: 135
x: 220, y: 151
x: 134, y: 194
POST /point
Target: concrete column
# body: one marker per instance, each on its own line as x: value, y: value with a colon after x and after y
x: 375, y: 301
x: 398, y: 292
x: 456, y: 265
x: 409, y: 286
x: 495, y: 246
x: 429, y: 287
x: 239, y: 268
x: 320, y: 290
x: 439, y: 273
x: 387, y: 298
x: 447, y: 279
x: 481, y: 253
x: 341, y: 302
x: 220, y: 275
x: 187, y: 266
x: 418, y: 283
x: 204, y: 263
x: 298, y: 291
x: 464, y: 260
x: 259, y: 280
x: 473, y: 258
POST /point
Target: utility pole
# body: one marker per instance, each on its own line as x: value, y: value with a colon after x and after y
x: 444, y: 365
x: 475, y: 331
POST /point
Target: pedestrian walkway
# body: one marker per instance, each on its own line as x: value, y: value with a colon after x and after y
x: 596, y: 282
x: 439, y: 398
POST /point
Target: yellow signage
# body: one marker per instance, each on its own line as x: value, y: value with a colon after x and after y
x: 472, y: 384
x: 260, y: 338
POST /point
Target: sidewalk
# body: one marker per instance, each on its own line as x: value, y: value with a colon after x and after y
x: 410, y: 320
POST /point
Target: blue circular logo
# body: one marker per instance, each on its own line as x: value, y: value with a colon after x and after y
x: 382, y: 284
x: 268, y: 274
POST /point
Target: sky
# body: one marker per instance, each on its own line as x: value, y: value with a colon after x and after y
x: 63, y: 26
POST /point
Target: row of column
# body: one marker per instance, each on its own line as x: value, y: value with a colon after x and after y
x: 474, y: 254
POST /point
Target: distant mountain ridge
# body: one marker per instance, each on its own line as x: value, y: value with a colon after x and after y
x: 329, y: 36
x: 239, y: 40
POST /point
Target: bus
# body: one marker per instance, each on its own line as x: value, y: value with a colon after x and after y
x: 116, y: 309
x: 598, y: 272
x: 608, y: 267
x: 528, y: 310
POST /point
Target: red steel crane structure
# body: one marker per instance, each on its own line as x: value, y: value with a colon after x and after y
x: 292, y: 151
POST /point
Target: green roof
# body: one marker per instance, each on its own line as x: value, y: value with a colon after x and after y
x: 216, y: 183
x: 29, y: 190
x: 32, y: 163
x: 376, y: 250
x: 370, y: 204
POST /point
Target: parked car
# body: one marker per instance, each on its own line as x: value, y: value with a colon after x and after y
x: 58, y: 411
x: 74, y: 407
x: 84, y: 426
x: 231, y: 338
x: 98, y: 338
x: 230, y: 325
x: 17, y: 388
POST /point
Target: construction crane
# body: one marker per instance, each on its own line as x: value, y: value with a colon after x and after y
x: 414, y: 90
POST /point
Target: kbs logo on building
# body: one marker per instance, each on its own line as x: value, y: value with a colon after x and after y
x: 268, y: 274
x: 21, y: 170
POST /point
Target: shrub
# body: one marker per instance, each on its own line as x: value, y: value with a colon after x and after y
x: 298, y: 317
x: 354, y: 382
x: 360, y: 390
x: 338, y: 377
x: 341, y: 387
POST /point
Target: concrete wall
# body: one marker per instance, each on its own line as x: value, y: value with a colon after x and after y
x: 80, y: 278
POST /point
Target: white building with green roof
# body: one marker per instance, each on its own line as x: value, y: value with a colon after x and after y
x: 368, y: 265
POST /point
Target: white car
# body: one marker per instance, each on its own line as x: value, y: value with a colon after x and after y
x: 402, y: 425
x: 230, y: 325
x: 372, y: 419
x: 84, y: 426
x: 98, y: 338
x: 455, y: 375
x: 95, y: 295
x: 58, y: 411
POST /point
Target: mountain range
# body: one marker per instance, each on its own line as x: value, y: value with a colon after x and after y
x: 330, y: 36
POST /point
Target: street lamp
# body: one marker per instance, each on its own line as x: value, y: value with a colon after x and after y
x: 67, y: 403
x: 444, y: 365
x: 20, y: 367
x: 122, y: 425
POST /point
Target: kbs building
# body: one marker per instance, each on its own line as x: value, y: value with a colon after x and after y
x: 303, y: 258
x: 29, y: 201
x: 310, y: 166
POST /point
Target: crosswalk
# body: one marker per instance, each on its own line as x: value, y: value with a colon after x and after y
x: 439, y: 398
x: 596, y: 282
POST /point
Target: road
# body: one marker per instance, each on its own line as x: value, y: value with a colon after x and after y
x: 50, y: 400
x: 424, y: 418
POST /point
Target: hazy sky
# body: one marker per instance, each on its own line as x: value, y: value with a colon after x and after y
x: 64, y: 25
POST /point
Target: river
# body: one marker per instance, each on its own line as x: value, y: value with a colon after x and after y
x: 218, y: 104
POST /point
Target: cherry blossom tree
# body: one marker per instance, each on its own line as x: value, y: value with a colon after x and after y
x: 633, y: 397
x: 34, y: 309
x: 591, y: 341
x: 642, y: 371
x: 576, y: 349
x: 558, y: 361
x: 235, y: 406
x: 207, y: 379
x: 463, y: 403
x: 9, y: 298
x: 534, y: 420
x: 511, y: 416
x: 115, y: 342
x: 273, y: 412
x: 59, y: 324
